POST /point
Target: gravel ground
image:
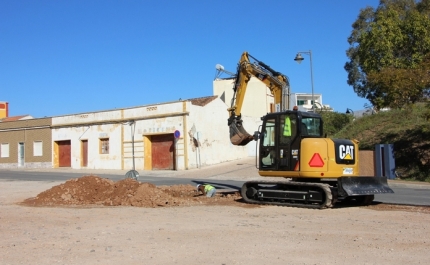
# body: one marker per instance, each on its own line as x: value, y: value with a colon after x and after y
x: 222, y: 232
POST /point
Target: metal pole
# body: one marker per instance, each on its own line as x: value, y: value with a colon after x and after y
x: 312, y: 80
x: 299, y: 59
x: 132, y: 126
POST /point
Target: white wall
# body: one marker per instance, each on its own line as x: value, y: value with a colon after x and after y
x: 92, y: 133
x: 149, y: 120
x: 257, y: 97
x: 163, y: 118
x: 208, y: 124
x: 212, y: 133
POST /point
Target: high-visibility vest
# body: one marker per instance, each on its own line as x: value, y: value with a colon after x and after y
x: 208, y: 187
x: 287, y: 126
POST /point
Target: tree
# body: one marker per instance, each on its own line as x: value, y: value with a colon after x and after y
x: 390, y: 53
x: 334, y: 122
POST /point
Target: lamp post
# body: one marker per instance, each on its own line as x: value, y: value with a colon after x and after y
x: 299, y: 59
x: 132, y: 173
x: 349, y: 111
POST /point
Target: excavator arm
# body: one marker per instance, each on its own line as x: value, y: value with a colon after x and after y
x: 278, y: 84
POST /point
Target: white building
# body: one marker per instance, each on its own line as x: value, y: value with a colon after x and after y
x: 305, y: 101
x: 169, y: 136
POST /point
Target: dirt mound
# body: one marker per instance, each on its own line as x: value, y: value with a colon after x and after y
x: 90, y: 191
x: 93, y: 190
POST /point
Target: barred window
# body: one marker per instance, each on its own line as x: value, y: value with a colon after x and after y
x: 104, y: 146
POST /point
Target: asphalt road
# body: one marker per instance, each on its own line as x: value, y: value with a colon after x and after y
x: 404, y: 193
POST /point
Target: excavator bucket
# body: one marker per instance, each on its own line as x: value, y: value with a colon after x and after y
x: 238, y: 134
x: 354, y: 186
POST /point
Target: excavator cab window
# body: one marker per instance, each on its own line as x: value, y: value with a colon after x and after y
x: 311, y: 127
x: 288, y: 128
x: 268, y: 143
x: 269, y: 133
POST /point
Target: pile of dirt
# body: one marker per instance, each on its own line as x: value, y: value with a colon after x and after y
x: 93, y: 190
x: 96, y: 191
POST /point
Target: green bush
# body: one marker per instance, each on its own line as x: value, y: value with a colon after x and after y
x: 407, y: 129
x: 334, y: 122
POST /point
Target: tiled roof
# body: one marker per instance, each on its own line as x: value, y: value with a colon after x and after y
x: 202, y: 101
x: 16, y: 118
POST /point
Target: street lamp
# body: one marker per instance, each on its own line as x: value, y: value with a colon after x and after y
x: 299, y: 59
x: 349, y: 111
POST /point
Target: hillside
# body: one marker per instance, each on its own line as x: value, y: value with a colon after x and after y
x: 407, y: 129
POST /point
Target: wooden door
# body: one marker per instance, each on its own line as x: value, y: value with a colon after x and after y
x: 84, y: 153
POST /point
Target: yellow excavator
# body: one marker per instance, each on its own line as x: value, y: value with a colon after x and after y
x: 318, y: 171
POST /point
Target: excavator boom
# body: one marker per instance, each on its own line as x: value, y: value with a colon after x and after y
x: 278, y: 84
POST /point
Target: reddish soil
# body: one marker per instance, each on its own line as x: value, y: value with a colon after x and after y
x: 93, y: 190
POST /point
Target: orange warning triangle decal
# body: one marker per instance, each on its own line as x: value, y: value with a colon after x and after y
x: 316, y: 161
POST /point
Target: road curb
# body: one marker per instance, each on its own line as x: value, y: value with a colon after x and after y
x: 399, y: 183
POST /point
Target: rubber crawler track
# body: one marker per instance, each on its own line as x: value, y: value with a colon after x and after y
x: 328, y: 203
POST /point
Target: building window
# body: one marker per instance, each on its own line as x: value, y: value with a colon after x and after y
x: 104, y: 146
x: 4, y: 150
x: 37, y: 148
x: 301, y: 102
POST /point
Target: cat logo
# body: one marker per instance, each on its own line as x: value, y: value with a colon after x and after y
x: 346, y: 152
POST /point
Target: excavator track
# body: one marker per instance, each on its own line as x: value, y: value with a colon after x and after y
x: 289, y: 193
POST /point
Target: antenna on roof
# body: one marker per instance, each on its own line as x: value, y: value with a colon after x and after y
x: 220, y: 69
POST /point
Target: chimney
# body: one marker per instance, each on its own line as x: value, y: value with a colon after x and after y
x: 4, y: 109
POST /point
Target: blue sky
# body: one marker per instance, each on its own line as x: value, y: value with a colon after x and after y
x: 67, y: 57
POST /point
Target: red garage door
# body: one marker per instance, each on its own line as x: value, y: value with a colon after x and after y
x: 64, y: 154
x: 163, y: 152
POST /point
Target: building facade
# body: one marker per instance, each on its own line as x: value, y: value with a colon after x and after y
x: 176, y: 135
x: 170, y: 136
x: 26, y: 143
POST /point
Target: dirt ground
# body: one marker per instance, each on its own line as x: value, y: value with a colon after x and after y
x: 91, y: 220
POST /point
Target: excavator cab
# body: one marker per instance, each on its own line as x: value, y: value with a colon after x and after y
x: 281, y: 136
